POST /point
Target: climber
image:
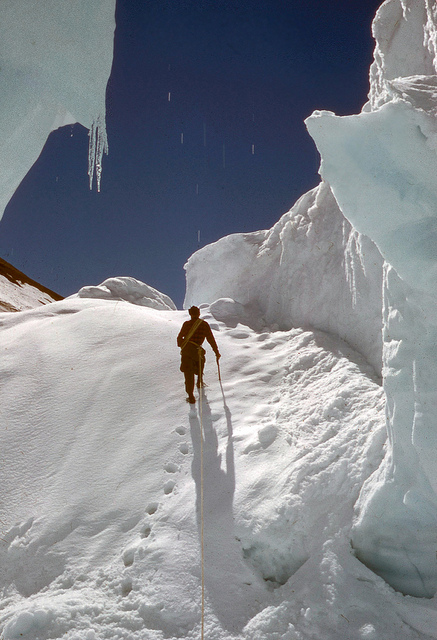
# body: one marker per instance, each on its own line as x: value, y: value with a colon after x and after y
x: 190, y: 338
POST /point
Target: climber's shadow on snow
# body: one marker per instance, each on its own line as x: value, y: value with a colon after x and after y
x: 228, y: 580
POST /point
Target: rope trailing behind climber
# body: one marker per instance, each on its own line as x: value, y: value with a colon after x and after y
x: 190, y: 339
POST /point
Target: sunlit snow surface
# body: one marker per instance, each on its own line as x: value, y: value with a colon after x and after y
x: 100, y: 481
x: 130, y: 290
x: 311, y: 269
x: 100, y: 469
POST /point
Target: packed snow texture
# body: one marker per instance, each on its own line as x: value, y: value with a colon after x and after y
x: 382, y: 168
x: 405, y: 33
x: 100, y: 476
x: 130, y: 290
x: 56, y: 58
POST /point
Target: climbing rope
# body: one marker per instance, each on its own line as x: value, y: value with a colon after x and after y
x: 202, y: 522
x: 202, y: 519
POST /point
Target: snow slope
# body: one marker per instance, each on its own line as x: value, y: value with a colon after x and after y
x: 100, y: 482
x: 19, y: 292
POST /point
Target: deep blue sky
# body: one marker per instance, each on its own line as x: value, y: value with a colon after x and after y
x: 227, y: 153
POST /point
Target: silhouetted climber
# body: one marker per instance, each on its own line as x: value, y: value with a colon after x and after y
x: 190, y: 338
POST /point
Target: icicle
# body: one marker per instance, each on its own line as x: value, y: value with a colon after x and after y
x: 98, y: 145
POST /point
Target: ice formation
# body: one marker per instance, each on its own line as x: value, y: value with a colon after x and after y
x: 56, y: 58
x: 382, y: 168
x: 316, y: 268
x: 311, y: 269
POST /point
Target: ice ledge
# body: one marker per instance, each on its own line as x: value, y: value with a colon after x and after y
x: 382, y: 168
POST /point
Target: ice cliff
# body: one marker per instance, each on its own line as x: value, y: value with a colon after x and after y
x: 382, y: 168
x: 358, y: 252
x: 55, y: 62
x: 311, y: 269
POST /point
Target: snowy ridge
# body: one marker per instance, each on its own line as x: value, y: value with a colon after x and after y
x: 19, y: 292
x: 130, y: 290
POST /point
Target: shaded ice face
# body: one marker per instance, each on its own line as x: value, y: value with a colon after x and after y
x: 55, y: 62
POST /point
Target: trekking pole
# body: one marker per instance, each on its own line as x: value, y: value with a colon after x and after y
x: 218, y: 369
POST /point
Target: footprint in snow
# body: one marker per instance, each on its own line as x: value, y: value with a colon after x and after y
x: 126, y: 587
x: 128, y: 556
x: 239, y: 334
x: 170, y: 467
x: 181, y: 431
x: 145, y: 531
x: 152, y: 508
x: 169, y: 486
x: 267, y: 435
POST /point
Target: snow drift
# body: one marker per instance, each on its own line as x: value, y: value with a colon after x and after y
x: 311, y: 269
x: 100, y: 479
x: 130, y: 290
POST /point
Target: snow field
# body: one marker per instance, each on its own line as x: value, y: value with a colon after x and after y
x: 101, y: 480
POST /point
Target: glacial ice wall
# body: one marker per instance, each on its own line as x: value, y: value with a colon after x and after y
x: 382, y: 168
x: 56, y: 58
x: 357, y: 253
x: 311, y: 269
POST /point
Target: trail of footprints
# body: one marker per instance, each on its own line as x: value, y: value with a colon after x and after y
x: 137, y: 547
